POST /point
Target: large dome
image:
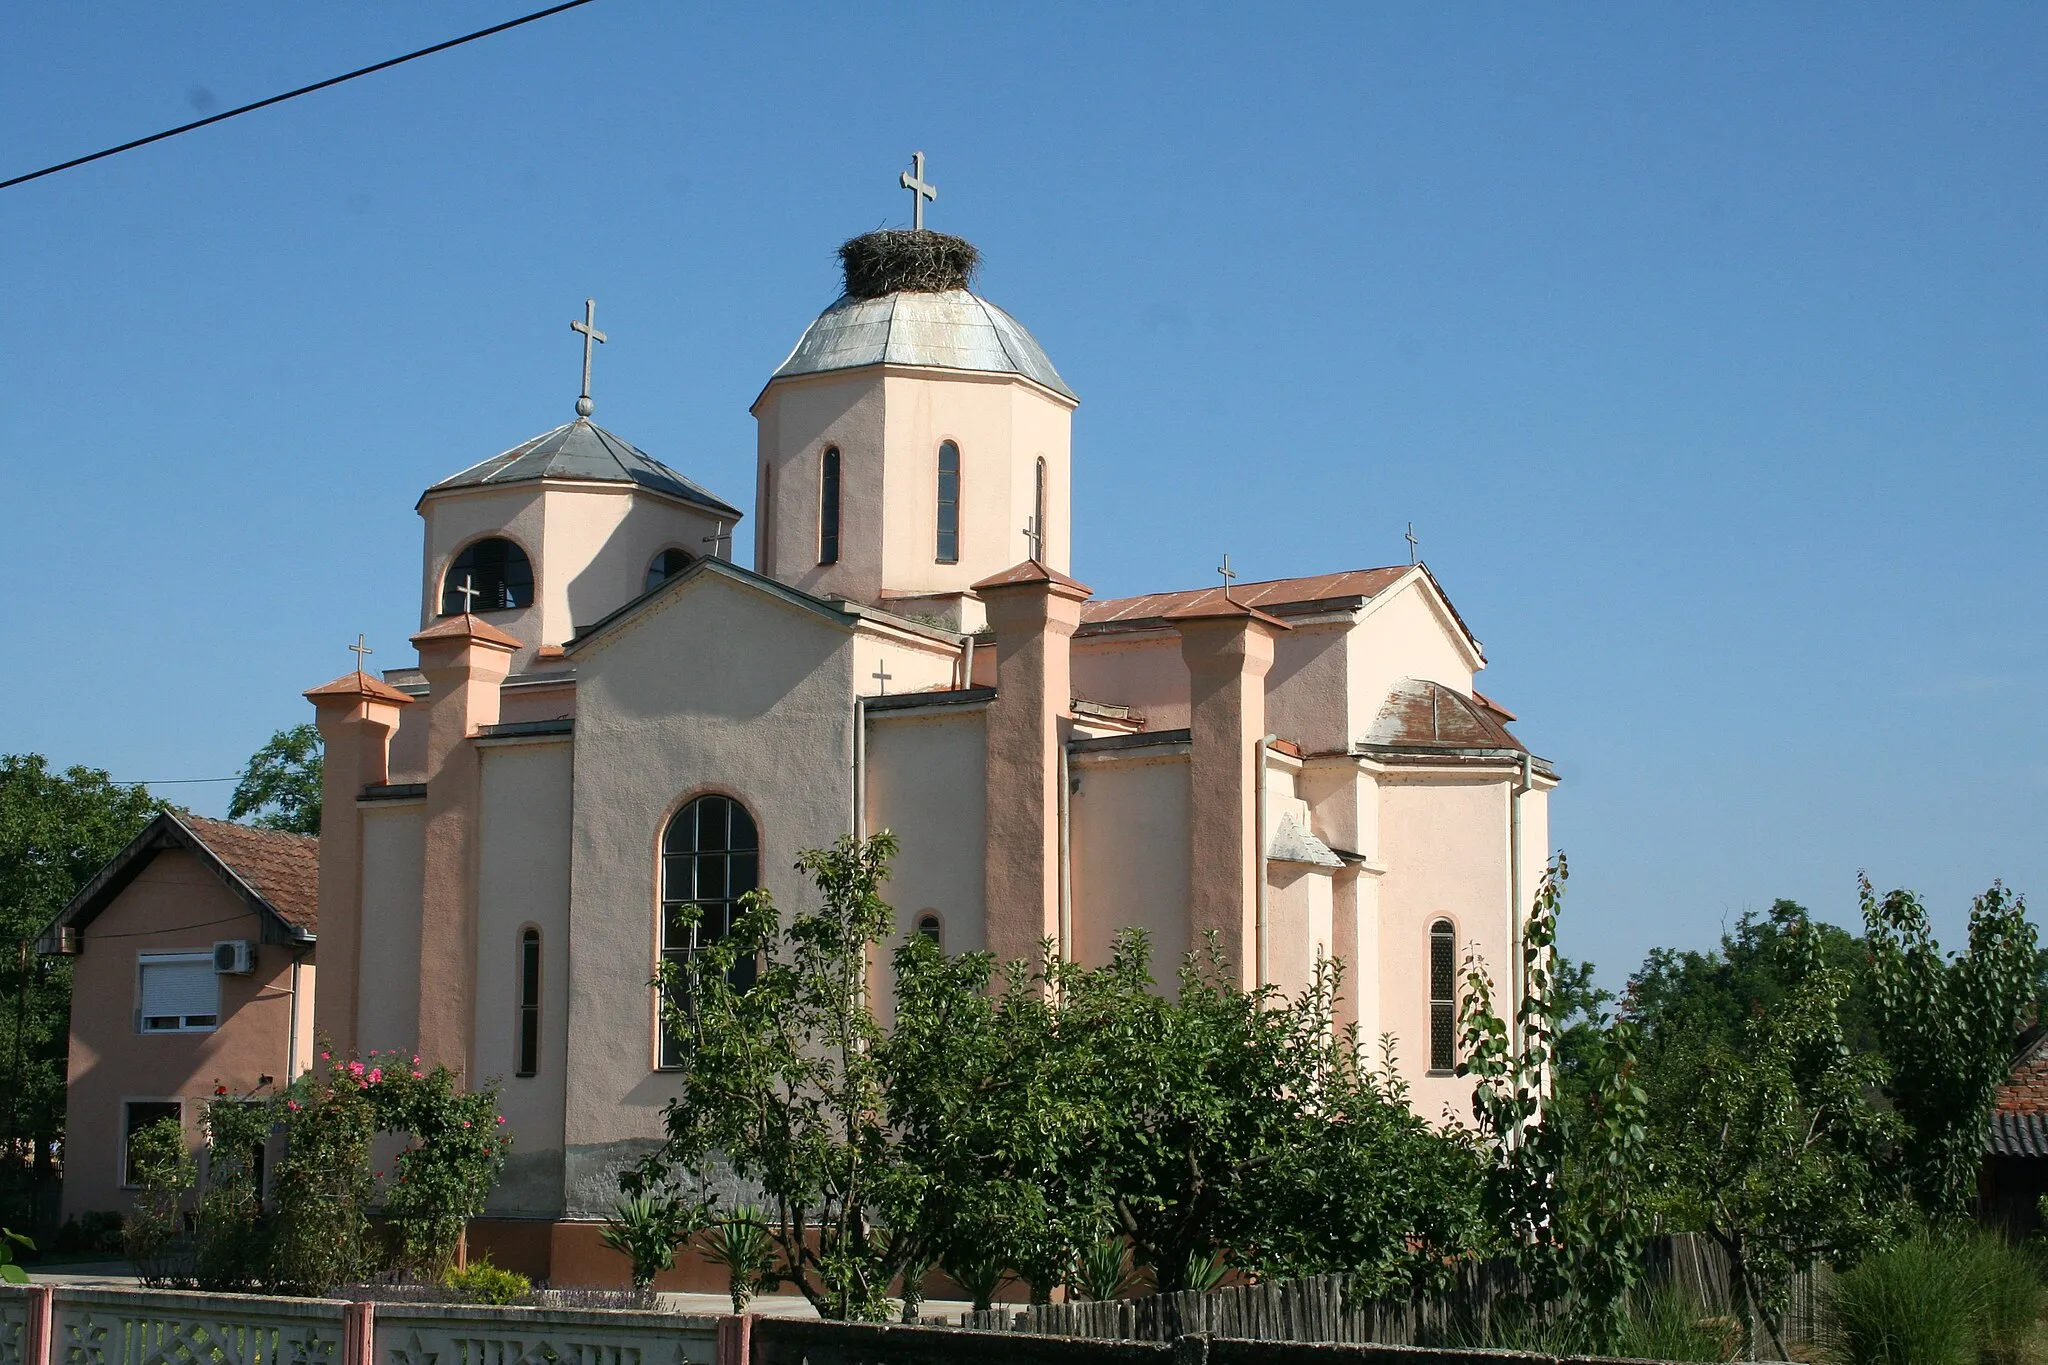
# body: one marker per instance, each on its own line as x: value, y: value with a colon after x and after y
x: 952, y: 330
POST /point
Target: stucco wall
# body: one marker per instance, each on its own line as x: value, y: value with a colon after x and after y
x: 523, y: 881
x: 394, y: 864
x: 175, y: 905
x: 453, y: 520
x: 927, y: 781
x: 1306, y: 696
x: 1143, y: 671
x: 1129, y: 850
x: 1444, y: 840
x: 797, y: 420
x: 600, y: 541
x: 717, y: 687
x: 1404, y: 635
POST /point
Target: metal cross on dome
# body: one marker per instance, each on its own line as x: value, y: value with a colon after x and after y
x: 914, y: 181
x: 588, y: 327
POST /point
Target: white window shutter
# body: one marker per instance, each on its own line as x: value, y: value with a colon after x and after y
x: 179, y: 988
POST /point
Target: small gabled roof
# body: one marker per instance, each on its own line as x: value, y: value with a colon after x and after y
x: 583, y: 451
x: 710, y: 565
x: 275, y: 874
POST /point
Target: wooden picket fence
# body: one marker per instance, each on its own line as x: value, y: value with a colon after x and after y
x: 1329, y: 1308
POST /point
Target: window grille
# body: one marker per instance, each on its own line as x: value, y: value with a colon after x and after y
x: 1443, y: 996
x: 529, y: 1002
x: 667, y: 565
x: 497, y: 570
x: 828, y: 507
x: 949, y: 503
x: 928, y: 925
x: 710, y: 858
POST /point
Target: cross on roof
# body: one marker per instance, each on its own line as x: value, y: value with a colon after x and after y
x: 1034, y: 540
x: 360, y: 649
x: 1412, y: 542
x: 590, y: 334
x: 882, y: 675
x: 913, y: 180
x: 719, y: 537
x: 469, y: 593
x: 1229, y: 576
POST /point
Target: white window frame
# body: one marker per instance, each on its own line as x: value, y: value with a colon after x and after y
x: 142, y: 1024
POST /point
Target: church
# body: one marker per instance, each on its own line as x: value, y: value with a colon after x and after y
x: 612, y: 716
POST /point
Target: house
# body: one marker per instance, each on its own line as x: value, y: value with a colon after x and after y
x: 192, y: 968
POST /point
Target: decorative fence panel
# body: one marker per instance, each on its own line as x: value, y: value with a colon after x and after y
x: 14, y: 1311
x: 449, y: 1334
x: 126, y: 1327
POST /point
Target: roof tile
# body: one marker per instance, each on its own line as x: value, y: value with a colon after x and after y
x: 1266, y: 596
x: 282, y: 868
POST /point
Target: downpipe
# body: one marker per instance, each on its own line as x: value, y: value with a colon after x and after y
x: 1265, y: 746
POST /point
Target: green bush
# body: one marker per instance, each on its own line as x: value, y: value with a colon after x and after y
x: 646, y: 1229
x: 745, y: 1247
x: 1938, y: 1298
x: 163, y: 1171
x: 482, y: 1282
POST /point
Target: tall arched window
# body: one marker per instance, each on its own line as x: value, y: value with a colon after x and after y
x: 1443, y: 996
x: 665, y: 566
x: 497, y: 574
x: 710, y: 857
x: 529, y: 1002
x: 828, y: 507
x: 949, y: 503
x: 1038, y: 510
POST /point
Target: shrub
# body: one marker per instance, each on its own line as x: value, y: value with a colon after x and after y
x: 1921, y: 1302
x: 742, y: 1245
x: 163, y: 1171
x: 442, y: 1179
x: 1665, y: 1323
x: 482, y: 1282
x: 1103, y: 1271
x: 320, y: 1217
x: 229, y: 1251
x: 647, y: 1229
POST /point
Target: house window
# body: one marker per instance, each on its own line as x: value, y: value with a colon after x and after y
x: 496, y: 570
x: 828, y: 507
x: 529, y: 1002
x: 666, y: 565
x: 929, y: 926
x: 710, y: 858
x: 1443, y: 996
x: 949, y: 503
x: 137, y: 1115
x: 179, y: 993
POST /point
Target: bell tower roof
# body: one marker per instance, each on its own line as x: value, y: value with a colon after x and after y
x: 586, y: 452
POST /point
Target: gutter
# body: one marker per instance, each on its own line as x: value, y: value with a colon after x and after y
x: 1264, y: 747
x: 1517, y: 893
x: 1066, y: 875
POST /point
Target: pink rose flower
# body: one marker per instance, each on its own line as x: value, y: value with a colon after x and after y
x: 376, y: 1075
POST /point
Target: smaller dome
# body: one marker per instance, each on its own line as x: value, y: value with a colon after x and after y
x: 951, y: 330
x: 584, y: 451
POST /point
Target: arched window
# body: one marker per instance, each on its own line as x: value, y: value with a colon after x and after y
x: 1038, y: 510
x: 529, y: 1002
x: 667, y: 565
x: 828, y: 507
x: 1443, y: 996
x: 929, y: 926
x: 495, y: 570
x: 949, y: 503
x: 710, y: 857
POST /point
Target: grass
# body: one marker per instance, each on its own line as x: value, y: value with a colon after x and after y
x: 1938, y: 1298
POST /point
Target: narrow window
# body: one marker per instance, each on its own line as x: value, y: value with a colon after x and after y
x: 489, y: 575
x: 710, y: 858
x: 529, y: 1002
x: 1038, y: 511
x: 665, y: 566
x: 928, y: 925
x: 179, y: 993
x: 949, y: 503
x: 828, y: 507
x: 1443, y: 997
x: 137, y: 1115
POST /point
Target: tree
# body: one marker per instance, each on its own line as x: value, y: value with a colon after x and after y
x: 56, y: 831
x: 280, y: 787
x: 1771, y: 1144
x: 1947, y: 1026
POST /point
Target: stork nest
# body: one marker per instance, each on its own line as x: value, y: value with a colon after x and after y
x: 898, y: 260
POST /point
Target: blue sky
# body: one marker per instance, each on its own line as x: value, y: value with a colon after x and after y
x: 1704, y: 346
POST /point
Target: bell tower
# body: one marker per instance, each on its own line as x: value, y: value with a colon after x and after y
x: 916, y: 441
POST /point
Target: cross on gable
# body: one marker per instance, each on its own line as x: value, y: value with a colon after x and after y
x: 1412, y: 542
x: 469, y: 593
x: 360, y: 649
x: 882, y: 675
x: 719, y: 538
x: 1229, y: 577
x: 588, y: 327
x: 914, y: 181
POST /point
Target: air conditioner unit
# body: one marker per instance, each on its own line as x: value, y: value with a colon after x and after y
x: 234, y: 957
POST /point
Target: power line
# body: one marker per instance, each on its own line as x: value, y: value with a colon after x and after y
x: 290, y: 95
x: 175, y: 781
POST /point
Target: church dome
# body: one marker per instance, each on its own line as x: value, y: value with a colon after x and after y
x: 949, y: 330
x: 583, y: 451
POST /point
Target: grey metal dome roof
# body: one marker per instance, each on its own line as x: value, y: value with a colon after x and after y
x: 583, y: 450
x: 953, y: 330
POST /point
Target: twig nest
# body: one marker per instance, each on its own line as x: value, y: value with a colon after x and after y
x: 899, y: 260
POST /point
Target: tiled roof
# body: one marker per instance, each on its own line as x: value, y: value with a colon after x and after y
x: 463, y: 626
x: 1429, y: 715
x: 282, y: 868
x: 2016, y: 1135
x: 1031, y: 571
x: 1274, y: 595
x: 359, y: 685
x: 583, y: 450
